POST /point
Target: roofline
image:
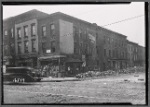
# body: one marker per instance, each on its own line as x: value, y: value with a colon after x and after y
x: 60, y: 13
x: 132, y: 42
x: 111, y: 31
x: 24, y: 13
x: 86, y: 22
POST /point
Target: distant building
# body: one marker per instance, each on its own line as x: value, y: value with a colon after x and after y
x: 136, y: 54
x: 65, y: 45
x: 9, y: 42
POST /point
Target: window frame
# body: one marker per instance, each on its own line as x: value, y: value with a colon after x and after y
x: 19, y: 31
x: 33, y: 29
x: 33, y: 43
x: 26, y: 33
x: 43, y: 31
x: 53, y: 46
x: 19, y: 47
x: 26, y: 47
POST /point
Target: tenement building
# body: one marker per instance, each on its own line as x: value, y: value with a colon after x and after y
x: 65, y: 45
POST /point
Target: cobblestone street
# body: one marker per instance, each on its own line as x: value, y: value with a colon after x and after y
x: 124, y: 88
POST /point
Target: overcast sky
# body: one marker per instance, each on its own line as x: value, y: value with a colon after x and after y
x: 129, y: 17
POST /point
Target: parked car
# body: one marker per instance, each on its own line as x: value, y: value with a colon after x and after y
x: 21, y: 74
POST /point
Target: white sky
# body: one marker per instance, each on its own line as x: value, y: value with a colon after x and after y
x: 102, y: 14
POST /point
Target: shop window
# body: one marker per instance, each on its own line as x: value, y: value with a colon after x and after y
x: 25, y: 31
x: 33, y: 29
x: 33, y: 45
x: 19, y: 47
x: 26, y: 43
x: 19, y: 33
x: 53, y: 46
x: 43, y: 30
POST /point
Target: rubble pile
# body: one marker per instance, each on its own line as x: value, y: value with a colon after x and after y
x: 110, y: 72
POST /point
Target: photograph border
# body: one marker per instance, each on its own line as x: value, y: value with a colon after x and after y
x: 67, y: 2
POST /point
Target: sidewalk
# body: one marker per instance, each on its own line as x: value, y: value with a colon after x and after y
x: 59, y: 79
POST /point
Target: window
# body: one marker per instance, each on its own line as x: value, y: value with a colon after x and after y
x: 5, y: 49
x: 113, y: 53
x: 33, y: 45
x: 74, y: 29
x: 12, y: 35
x: 104, y: 39
x: 26, y: 43
x: 79, y: 51
x: 109, y: 53
x: 43, y: 30
x: 108, y: 40
x: 82, y: 45
x: 104, y: 52
x: 19, y: 33
x: 53, y: 46
x: 25, y: 31
x: 123, y: 55
x: 33, y: 30
x: 44, y: 47
x: 136, y: 49
x: 19, y: 47
x: 5, y: 33
x: 116, y: 53
x: 52, y: 29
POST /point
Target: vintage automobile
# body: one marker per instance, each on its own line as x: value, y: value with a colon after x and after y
x: 21, y: 75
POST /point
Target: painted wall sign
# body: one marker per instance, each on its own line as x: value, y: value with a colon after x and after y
x: 66, y: 37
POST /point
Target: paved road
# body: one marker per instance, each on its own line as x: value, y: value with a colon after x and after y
x: 126, y: 88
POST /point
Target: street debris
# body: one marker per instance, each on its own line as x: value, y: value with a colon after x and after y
x: 110, y: 72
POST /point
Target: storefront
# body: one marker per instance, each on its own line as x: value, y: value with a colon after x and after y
x: 59, y: 66
x: 73, y: 66
x: 27, y: 61
x: 53, y: 65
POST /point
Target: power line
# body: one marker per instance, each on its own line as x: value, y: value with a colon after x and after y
x: 131, y: 18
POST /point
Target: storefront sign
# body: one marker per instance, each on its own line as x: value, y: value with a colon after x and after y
x: 48, y: 51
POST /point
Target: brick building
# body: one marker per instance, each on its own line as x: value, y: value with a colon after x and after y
x: 113, y: 49
x: 8, y: 42
x: 136, y: 54
x: 64, y: 44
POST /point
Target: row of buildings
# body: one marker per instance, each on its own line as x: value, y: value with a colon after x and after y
x: 66, y: 45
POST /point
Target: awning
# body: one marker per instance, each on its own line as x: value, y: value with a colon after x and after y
x: 51, y: 57
x: 74, y: 60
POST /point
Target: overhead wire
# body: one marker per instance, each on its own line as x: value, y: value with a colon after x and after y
x: 127, y: 19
